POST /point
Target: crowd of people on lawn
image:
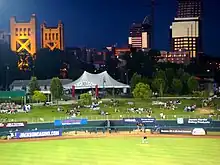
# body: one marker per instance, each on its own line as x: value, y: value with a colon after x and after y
x: 12, y: 108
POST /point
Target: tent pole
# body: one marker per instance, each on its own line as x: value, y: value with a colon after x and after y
x: 113, y: 92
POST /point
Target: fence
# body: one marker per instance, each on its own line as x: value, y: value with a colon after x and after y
x: 99, y: 117
x: 94, y: 129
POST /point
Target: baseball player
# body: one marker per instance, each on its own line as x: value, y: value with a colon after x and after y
x: 144, y: 140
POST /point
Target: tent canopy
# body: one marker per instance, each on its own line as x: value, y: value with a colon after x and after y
x: 89, y: 80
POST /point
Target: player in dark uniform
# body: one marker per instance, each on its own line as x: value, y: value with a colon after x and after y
x: 144, y: 140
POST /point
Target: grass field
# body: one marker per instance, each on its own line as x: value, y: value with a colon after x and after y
x: 113, y: 151
x: 49, y: 113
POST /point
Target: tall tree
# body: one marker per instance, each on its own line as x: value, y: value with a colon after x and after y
x: 135, y: 79
x: 184, y: 79
x: 170, y: 74
x: 179, y: 73
x: 56, y: 89
x: 177, y: 86
x: 193, y: 84
x: 160, y: 74
x: 33, y: 86
x: 159, y: 85
x: 142, y: 91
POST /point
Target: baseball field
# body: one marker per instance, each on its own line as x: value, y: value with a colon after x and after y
x: 112, y: 151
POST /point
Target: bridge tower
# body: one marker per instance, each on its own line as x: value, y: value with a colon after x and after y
x: 23, y: 36
x: 52, y: 37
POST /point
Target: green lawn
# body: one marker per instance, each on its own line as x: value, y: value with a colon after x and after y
x: 48, y: 115
x: 113, y: 151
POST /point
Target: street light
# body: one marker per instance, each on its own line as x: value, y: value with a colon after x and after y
x: 6, y: 77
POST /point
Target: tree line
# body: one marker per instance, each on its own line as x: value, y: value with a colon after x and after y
x: 168, y: 81
x: 34, y: 91
x: 48, y: 64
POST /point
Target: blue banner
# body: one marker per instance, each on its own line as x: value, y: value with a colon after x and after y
x: 139, y: 120
x: 38, y: 134
x: 58, y: 123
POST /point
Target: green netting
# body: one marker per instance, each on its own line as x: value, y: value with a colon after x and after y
x: 11, y: 94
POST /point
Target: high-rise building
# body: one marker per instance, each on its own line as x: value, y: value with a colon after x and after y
x: 52, y: 37
x: 23, y: 36
x: 186, y: 29
x: 4, y: 37
x: 140, y: 35
x: 189, y: 8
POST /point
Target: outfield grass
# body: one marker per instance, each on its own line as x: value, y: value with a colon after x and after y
x: 113, y: 151
x: 50, y: 114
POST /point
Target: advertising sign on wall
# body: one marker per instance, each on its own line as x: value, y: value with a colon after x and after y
x: 69, y: 122
x: 199, y: 121
x: 180, y: 120
x: 193, y: 121
x: 187, y: 131
x: 139, y: 120
x: 38, y: 134
x: 13, y: 124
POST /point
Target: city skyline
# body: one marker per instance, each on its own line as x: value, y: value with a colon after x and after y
x: 83, y: 33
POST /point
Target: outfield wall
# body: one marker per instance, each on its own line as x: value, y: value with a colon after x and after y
x: 124, y: 124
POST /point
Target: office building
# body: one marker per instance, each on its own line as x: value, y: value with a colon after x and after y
x: 119, y: 51
x: 140, y: 35
x: 189, y: 8
x: 178, y: 57
x: 52, y: 37
x: 186, y: 29
x: 23, y: 35
x: 4, y: 37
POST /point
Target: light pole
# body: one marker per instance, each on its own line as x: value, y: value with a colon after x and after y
x: 6, y: 77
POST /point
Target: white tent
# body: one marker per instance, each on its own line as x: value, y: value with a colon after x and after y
x: 88, y: 80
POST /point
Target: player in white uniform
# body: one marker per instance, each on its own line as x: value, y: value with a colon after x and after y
x: 144, y: 140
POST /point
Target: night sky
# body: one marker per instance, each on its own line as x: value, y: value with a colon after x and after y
x: 99, y: 23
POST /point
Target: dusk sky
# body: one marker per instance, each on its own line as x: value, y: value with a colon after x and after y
x: 99, y: 23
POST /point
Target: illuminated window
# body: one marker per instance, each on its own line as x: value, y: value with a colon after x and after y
x: 29, y: 31
x: 194, y: 54
x: 45, y: 36
x: 25, y: 31
x: 16, y: 31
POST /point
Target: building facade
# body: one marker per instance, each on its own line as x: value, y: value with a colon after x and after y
x: 118, y: 51
x: 23, y: 36
x: 4, y: 37
x: 178, y: 57
x: 189, y: 8
x: 186, y: 29
x: 52, y: 37
x: 140, y: 35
